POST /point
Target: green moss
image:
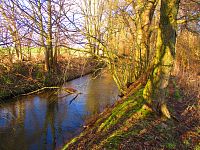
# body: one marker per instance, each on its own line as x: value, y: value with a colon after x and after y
x: 198, y: 130
x: 113, y: 141
x: 72, y: 141
x: 39, y: 75
x: 117, y: 113
x: 197, y: 147
x: 126, y: 116
x: 7, y: 80
x: 148, y: 91
x: 186, y: 142
x: 127, y: 129
x: 171, y: 145
x: 177, y: 94
x: 133, y: 104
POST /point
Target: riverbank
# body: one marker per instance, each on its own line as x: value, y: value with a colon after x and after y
x: 46, y: 120
x: 130, y: 124
x: 27, y: 76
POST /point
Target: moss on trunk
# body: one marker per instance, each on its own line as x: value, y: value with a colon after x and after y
x: 155, y: 90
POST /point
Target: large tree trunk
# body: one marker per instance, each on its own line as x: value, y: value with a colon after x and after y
x: 155, y: 89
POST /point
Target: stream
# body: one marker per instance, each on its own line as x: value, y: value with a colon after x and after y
x: 49, y: 120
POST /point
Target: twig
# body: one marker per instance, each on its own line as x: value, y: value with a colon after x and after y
x: 69, y: 90
x: 74, y: 98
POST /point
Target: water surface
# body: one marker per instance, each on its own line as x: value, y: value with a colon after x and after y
x: 48, y: 120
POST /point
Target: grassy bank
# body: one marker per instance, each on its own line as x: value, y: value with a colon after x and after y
x: 130, y: 124
x: 27, y: 76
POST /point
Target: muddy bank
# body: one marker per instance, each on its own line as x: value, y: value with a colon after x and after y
x: 24, y: 77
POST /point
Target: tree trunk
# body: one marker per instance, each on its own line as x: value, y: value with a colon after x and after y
x: 49, y: 50
x: 42, y: 37
x: 155, y: 89
x: 144, y: 16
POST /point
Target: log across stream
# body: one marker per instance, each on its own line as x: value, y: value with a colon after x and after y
x: 49, y: 119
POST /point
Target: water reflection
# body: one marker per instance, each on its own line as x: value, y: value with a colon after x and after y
x: 47, y: 120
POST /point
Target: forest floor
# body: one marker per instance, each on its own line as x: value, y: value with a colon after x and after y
x: 131, y: 125
x: 27, y: 76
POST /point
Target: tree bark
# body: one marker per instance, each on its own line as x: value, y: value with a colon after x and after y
x: 144, y: 16
x: 49, y: 50
x: 155, y: 89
